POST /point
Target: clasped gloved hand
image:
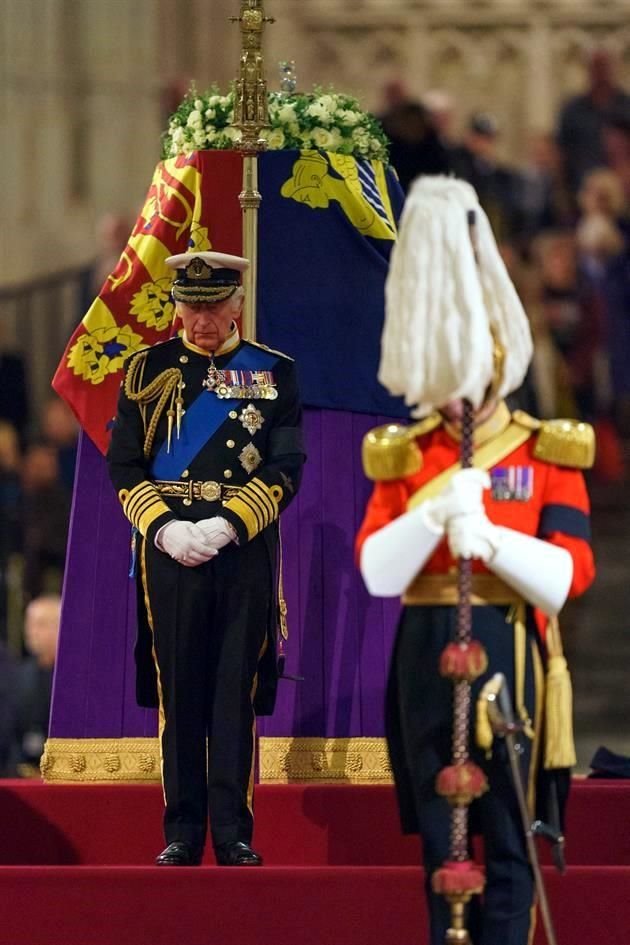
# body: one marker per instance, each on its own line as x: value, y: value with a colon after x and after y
x: 462, y: 495
x: 473, y: 536
x: 395, y: 554
x: 186, y: 543
x: 217, y: 531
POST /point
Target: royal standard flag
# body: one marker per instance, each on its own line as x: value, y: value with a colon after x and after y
x: 185, y: 208
x: 327, y: 224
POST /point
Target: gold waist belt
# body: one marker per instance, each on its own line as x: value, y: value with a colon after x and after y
x: 208, y: 491
x: 437, y: 589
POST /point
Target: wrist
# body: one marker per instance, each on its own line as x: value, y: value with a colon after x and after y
x: 430, y: 517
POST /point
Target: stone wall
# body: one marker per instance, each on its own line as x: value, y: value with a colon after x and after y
x: 85, y: 85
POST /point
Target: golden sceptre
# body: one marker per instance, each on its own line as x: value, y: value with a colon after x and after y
x: 250, y: 117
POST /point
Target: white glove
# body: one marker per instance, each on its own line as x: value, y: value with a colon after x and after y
x: 217, y: 531
x: 472, y: 536
x: 463, y: 495
x: 393, y: 556
x: 539, y: 571
x: 185, y: 542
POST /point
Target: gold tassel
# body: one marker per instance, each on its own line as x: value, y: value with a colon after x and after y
x: 179, y: 406
x: 169, y: 436
x: 559, y: 743
x: 484, y: 736
x: 282, y: 604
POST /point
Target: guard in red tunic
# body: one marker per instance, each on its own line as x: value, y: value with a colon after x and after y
x: 522, y: 516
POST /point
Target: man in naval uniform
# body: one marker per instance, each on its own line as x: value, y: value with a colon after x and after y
x: 522, y: 516
x: 206, y: 452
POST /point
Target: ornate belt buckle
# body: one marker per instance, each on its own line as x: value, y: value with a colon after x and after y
x: 210, y: 491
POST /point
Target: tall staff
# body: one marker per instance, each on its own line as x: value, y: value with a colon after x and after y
x: 250, y: 117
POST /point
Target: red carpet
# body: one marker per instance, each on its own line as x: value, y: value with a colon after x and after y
x: 337, y: 871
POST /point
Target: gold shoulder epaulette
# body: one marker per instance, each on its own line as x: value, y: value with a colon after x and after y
x: 566, y: 443
x: 526, y: 420
x: 391, y: 452
x: 281, y: 354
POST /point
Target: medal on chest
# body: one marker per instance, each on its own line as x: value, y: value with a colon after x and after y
x: 512, y: 483
x: 240, y: 385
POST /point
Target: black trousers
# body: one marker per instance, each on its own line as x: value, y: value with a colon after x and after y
x: 419, y: 733
x: 209, y: 628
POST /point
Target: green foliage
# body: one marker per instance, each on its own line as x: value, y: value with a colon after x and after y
x: 322, y: 119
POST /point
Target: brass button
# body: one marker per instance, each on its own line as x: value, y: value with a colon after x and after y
x: 187, y: 501
x: 233, y: 415
x: 227, y: 473
x: 186, y: 474
x: 231, y: 444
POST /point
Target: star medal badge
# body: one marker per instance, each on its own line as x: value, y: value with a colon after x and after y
x: 251, y: 418
x: 250, y: 458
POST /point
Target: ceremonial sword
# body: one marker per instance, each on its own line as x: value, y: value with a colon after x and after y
x: 504, y: 725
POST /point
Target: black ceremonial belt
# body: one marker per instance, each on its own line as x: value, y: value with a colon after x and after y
x: 194, y: 491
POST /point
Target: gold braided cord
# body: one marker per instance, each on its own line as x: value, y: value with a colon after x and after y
x: 162, y: 388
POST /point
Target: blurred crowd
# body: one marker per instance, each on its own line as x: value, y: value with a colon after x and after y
x: 36, y: 476
x: 562, y: 219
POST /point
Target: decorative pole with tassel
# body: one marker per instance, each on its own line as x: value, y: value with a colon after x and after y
x: 250, y: 117
x: 462, y: 662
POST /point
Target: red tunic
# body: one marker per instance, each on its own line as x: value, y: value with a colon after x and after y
x: 557, y: 510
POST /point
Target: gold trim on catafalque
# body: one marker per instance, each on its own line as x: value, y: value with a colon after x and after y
x: 357, y: 760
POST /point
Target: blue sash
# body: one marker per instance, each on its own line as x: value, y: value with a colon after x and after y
x: 204, y: 416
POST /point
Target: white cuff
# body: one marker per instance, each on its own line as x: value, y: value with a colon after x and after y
x: 539, y: 571
x: 394, y: 555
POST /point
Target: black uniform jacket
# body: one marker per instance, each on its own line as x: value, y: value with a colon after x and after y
x: 247, y: 470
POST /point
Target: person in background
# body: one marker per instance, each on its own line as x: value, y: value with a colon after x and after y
x: 476, y: 161
x: 112, y: 233
x: 617, y: 151
x: 581, y: 121
x: 14, y: 399
x: 543, y: 203
x: 34, y: 683
x: 61, y: 431
x: 441, y: 108
x: 415, y: 146
x: 10, y: 508
x: 45, y: 520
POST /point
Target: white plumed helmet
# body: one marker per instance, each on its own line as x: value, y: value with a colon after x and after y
x: 445, y: 310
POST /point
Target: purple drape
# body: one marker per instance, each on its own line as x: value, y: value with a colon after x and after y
x: 340, y: 638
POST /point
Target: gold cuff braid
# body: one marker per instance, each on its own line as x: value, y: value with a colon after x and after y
x: 143, y: 505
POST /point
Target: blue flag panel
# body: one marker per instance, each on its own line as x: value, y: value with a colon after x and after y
x: 327, y: 225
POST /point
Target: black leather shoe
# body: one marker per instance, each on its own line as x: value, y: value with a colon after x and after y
x: 237, y: 854
x: 180, y: 853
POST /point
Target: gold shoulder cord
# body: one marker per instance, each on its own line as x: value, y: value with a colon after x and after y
x: 166, y: 386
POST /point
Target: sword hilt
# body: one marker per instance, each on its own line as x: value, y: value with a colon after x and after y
x: 540, y: 829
